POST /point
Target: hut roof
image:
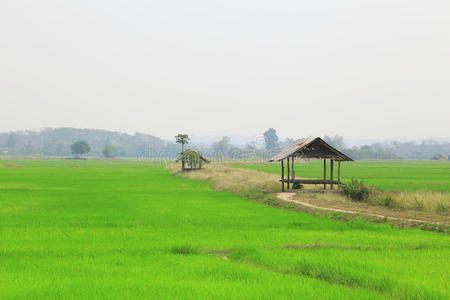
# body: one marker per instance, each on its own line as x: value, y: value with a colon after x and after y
x: 310, y: 148
x: 187, y: 152
x: 202, y: 158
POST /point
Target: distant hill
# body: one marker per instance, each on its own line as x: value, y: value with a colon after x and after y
x: 57, y: 141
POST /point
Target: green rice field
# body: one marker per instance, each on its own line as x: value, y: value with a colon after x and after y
x: 123, y: 230
x: 386, y: 175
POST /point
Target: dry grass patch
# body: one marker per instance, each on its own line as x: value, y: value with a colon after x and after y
x: 401, y: 204
x: 10, y: 165
x: 431, y: 201
x: 235, y: 180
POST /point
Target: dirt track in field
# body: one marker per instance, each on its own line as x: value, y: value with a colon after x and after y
x: 289, y: 197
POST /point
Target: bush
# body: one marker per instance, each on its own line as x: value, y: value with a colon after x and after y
x: 419, y: 203
x: 183, y: 250
x: 441, y: 207
x: 387, y: 201
x: 357, y: 190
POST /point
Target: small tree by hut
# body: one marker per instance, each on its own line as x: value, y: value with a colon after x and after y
x: 193, y: 159
x: 309, y: 148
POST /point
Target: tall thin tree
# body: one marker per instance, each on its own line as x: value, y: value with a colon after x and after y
x: 182, y: 139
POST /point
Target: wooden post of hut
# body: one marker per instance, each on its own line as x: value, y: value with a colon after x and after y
x: 331, y: 171
x: 310, y: 148
x: 293, y: 172
x: 339, y: 174
x: 288, y: 177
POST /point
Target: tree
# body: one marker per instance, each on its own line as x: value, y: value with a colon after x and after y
x: 79, y: 148
x: 12, y: 140
x: 271, y: 139
x: 222, y: 146
x: 336, y: 141
x: 287, y: 141
x: 438, y: 156
x: 110, y: 151
x: 182, y: 139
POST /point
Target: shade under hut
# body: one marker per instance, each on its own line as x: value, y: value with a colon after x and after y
x: 309, y: 148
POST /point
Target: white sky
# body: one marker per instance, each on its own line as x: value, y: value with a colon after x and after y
x: 363, y: 69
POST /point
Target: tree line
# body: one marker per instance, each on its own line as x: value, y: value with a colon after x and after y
x: 58, y: 142
x: 75, y: 142
x: 426, y: 149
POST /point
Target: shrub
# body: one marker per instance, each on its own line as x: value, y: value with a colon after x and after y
x: 419, y: 203
x: 441, y: 207
x: 387, y: 201
x: 357, y: 190
x: 183, y: 250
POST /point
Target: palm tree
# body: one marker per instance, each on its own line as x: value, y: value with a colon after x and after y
x: 182, y: 139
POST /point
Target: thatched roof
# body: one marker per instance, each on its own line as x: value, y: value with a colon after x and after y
x: 193, y: 154
x: 310, y: 148
x: 202, y: 158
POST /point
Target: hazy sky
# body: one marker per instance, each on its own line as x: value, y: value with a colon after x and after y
x: 362, y: 69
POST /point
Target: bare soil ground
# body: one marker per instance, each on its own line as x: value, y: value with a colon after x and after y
x: 293, y: 197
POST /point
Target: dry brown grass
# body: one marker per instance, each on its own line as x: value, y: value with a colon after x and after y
x: 235, y: 180
x: 433, y: 207
x: 430, y: 201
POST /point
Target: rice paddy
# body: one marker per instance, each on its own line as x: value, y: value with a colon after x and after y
x: 121, y: 229
x: 385, y: 175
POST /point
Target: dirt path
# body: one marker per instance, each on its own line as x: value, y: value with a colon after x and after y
x: 289, y: 198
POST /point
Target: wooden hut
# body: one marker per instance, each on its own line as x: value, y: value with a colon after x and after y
x: 309, y: 148
x: 194, y: 159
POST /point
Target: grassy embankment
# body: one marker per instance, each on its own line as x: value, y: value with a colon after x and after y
x: 98, y: 229
x: 418, y: 190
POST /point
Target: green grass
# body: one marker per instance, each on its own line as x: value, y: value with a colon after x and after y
x: 102, y: 230
x: 386, y: 175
